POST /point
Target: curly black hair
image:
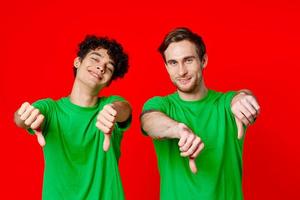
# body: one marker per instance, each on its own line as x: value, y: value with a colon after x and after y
x: 114, y: 50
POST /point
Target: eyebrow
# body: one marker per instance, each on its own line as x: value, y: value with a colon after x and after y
x: 100, y: 55
x: 97, y: 54
x: 185, y: 58
x: 171, y: 60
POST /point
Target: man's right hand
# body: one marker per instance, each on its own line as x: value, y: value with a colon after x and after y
x: 189, y: 144
x: 30, y: 117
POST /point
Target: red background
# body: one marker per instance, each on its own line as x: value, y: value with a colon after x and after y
x: 251, y: 44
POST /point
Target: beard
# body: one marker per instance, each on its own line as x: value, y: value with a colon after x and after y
x: 189, y: 88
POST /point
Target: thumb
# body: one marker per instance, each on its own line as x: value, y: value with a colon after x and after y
x: 40, y: 138
x: 193, y: 166
x: 240, y: 128
x: 106, y: 142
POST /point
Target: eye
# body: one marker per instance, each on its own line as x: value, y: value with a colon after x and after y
x: 95, y: 59
x: 172, y: 62
x: 189, y: 60
x: 110, y: 68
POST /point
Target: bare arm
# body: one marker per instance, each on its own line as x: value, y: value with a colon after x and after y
x: 159, y: 125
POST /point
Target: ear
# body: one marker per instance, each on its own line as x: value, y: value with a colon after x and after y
x: 204, y: 61
x: 76, y: 62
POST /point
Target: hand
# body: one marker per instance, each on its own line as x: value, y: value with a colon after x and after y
x: 105, y: 122
x: 30, y: 117
x: 245, y: 109
x: 189, y: 144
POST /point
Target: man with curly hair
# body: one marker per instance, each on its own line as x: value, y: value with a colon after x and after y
x: 81, y: 133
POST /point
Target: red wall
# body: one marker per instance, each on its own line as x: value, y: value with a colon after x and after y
x: 250, y: 44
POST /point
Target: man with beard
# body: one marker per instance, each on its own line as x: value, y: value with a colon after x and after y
x: 196, y: 119
x: 83, y: 131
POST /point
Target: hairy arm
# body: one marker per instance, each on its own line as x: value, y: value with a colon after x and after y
x: 159, y: 125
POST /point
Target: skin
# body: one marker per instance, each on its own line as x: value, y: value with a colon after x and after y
x: 94, y: 72
x: 185, y: 70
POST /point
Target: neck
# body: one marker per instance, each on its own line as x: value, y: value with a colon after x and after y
x: 198, y: 93
x: 83, y: 95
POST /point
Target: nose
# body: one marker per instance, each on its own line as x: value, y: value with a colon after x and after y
x: 182, y: 70
x: 101, y: 68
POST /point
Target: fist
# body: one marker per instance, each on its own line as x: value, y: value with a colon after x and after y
x: 245, y: 108
x: 105, y: 122
x: 190, y: 145
x: 30, y: 116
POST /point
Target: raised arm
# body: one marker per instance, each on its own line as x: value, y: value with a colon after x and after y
x: 158, y: 125
x: 118, y: 111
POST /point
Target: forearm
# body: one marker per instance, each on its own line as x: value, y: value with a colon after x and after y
x: 159, y: 125
x: 123, y: 110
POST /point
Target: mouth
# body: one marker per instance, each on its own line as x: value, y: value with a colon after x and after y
x: 184, y: 81
x: 95, y: 75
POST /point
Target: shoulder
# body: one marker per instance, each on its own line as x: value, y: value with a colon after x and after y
x: 44, y: 102
x: 160, y: 103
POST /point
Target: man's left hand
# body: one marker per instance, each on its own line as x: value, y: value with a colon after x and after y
x: 245, y: 109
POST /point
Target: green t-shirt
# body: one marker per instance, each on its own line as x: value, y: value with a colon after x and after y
x: 76, y: 166
x: 219, y: 175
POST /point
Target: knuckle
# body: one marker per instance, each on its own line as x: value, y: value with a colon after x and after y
x: 27, y: 122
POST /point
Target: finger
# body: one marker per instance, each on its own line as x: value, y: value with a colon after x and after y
x: 103, y: 128
x: 193, y: 148
x: 106, y: 142
x: 254, y: 103
x: 242, y: 117
x: 193, y: 166
x: 188, y: 143
x: 106, y: 115
x: 105, y: 122
x: 182, y: 140
x: 40, y: 138
x: 247, y: 104
x: 38, y: 122
x: 32, y: 117
x: 27, y: 113
x: 240, y: 128
x: 247, y: 114
x: 23, y: 108
x: 198, y: 150
x: 110, y: 110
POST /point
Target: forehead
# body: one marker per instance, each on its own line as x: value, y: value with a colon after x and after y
x: 179, y: 50
x: 100, y: 52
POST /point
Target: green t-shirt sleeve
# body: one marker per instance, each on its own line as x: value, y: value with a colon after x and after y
x: 228, y: 96
x: 154, y: 104
x: 228, y: 99
x: 121, y: 126
x: 45, y: 107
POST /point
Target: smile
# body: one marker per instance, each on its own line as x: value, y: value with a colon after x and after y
x: 184, y: 81
x: 97, y: 76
